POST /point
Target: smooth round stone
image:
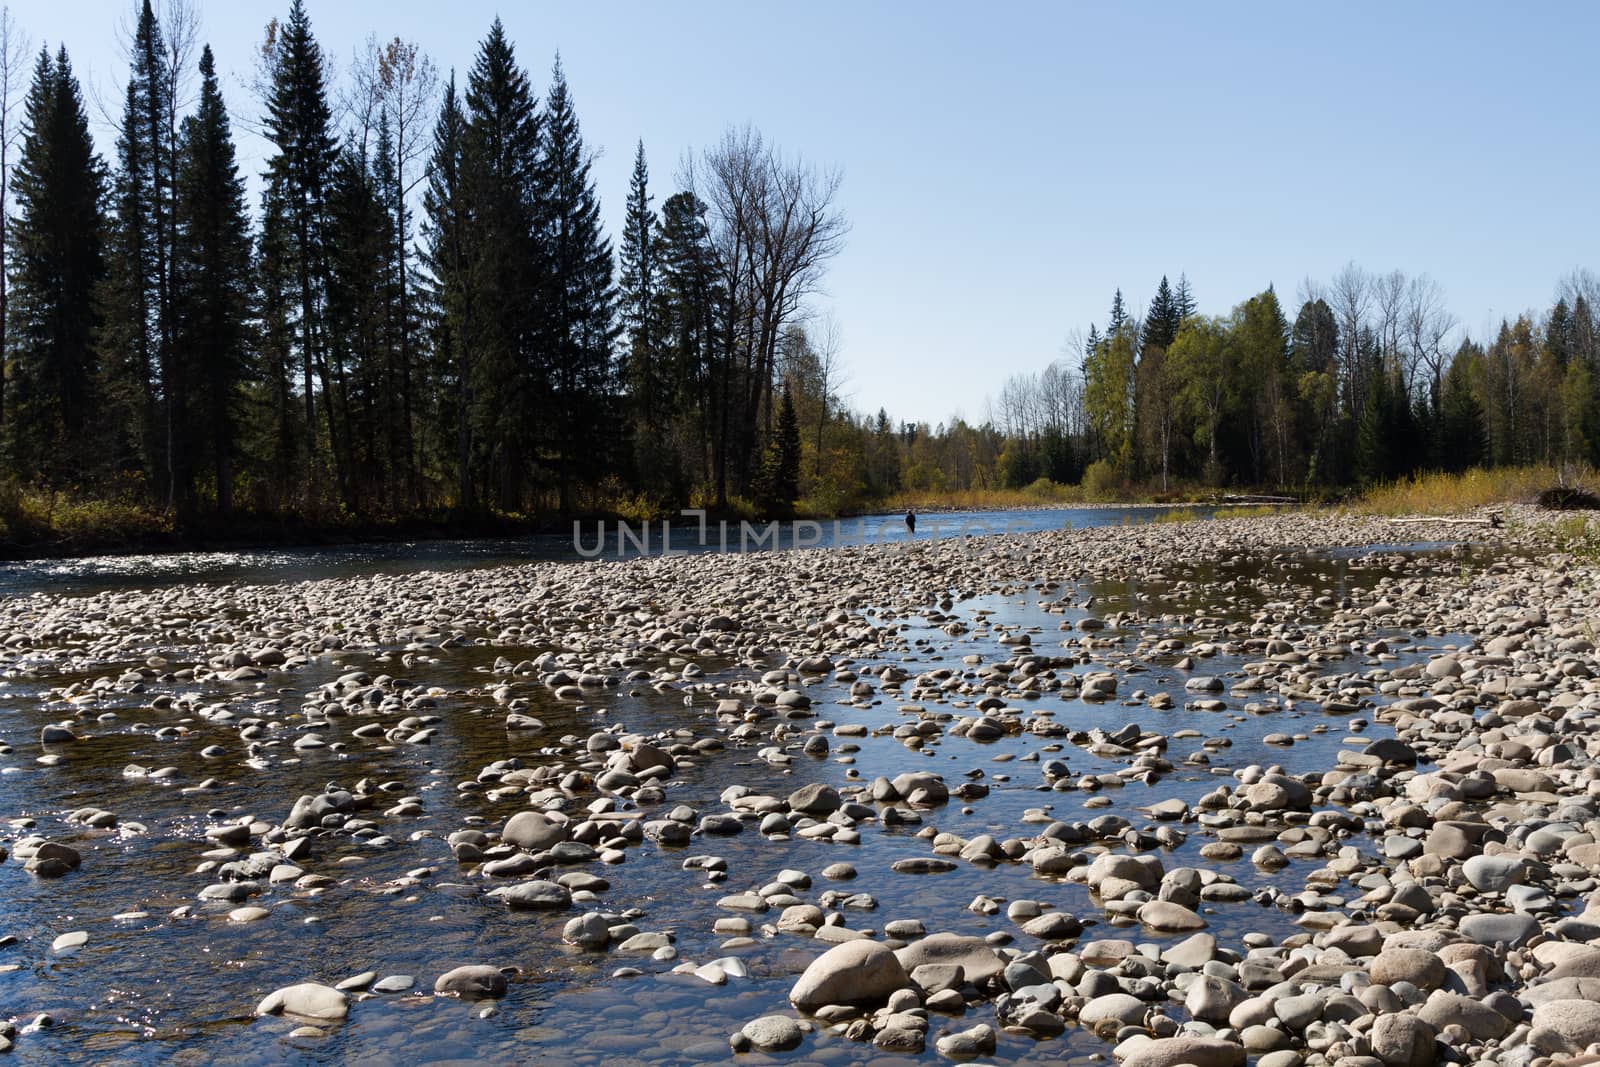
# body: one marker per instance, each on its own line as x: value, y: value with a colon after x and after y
x: 773, y: 1033
x: 1420, y: 968
x: 1167, y: 916
x: 1494, y: 874
x: 248, y: 914
x: 1261, y: 1038
x: 1495, y: 928
x: 68, y: 942
x: 308, y: 1000
x: 472, y: 980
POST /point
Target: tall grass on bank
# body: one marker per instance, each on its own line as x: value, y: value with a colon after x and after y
x: 1451, y: 494
x: 1577, y: 534
x: 34, y: 516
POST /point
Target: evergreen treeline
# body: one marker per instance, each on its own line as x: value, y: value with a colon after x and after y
x: 1363, y: 384
x: 421, y: 312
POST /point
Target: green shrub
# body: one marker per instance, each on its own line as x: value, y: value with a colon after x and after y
x: 1100, y: 481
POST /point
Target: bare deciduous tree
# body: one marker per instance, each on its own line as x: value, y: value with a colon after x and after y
x: 775, y: 227
x: 829, y: 345
x: 1427, y: 323
x: 1351, y: 299
x: 1389, y: 294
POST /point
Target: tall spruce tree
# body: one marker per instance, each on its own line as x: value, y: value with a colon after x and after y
x: 1162, y: 320
x: 139, y: 317
x: 579, y: 307
x: 1183, y: 304
x: 53, y: 427
x: 693, y: 303
x: 213, y: 292
x: 446, y: 234
x: 299, y: 125
x: 353, y: 328
x: 396, y: 401
x: 1119, y: 317
x: 640, y: 301
x: 506, y: 268
x: 778, y: 484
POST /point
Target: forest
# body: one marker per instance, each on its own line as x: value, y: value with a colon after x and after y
x: 421, y: 314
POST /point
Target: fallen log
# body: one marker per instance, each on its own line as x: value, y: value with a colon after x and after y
x: 1491, y: 521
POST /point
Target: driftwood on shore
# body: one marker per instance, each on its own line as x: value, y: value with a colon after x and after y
x: 1257, y: 498
x: 1493, y: 519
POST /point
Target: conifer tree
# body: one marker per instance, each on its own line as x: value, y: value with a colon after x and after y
x: 579, y: 316
x: 1459, y: 436
x: 299, y: 125
x: 779, y: 484
x: 353, y: 341
x: 1162, y: 320
x: 693, y: 303
x: 446, y: 256
x: 1119, y: 318
x: 506, y: 265
x: 213, y: 291
x: 141, y: 314
x: 1183, y: 304
x: 53, y: 429
x: 639, y: 295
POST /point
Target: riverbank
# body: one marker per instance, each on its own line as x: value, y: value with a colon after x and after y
x: 868, y: 801
x: 39, y: 525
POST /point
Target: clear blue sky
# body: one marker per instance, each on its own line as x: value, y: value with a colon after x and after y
x: 1006, y: 167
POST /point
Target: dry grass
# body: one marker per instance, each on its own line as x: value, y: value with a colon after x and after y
x: 1452, y: 494
x: 37, y: 516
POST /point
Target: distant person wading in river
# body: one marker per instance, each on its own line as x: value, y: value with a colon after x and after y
x: 911, y: 522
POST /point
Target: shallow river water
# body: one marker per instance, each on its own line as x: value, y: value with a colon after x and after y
x: 163, y: 978
x: 588, y: 540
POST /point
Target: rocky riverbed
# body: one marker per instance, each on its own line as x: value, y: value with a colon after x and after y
x: 1273, y: 788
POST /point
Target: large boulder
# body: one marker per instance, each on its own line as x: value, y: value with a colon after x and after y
x: 860, y: 973
x: 1584, y: 963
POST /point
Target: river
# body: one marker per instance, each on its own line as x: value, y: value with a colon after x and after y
x: 588, y: 540
x: 163, y: 978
